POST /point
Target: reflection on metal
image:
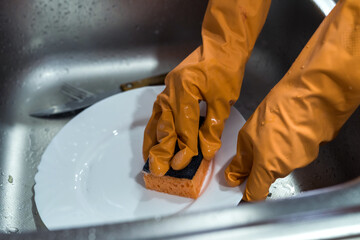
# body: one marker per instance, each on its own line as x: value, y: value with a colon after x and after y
x: 10, y: 191
x: 89, y: 43
x: 101, y: 68
x: 72, y: 67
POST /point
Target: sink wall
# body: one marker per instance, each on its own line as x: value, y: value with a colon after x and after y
x: 99, y: 45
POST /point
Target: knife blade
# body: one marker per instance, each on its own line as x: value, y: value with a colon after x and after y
x: 75, y: 106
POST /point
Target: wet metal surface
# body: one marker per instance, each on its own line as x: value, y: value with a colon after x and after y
x: 99, y: 45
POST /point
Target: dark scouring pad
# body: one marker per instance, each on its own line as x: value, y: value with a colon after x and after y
x: 190, y: 170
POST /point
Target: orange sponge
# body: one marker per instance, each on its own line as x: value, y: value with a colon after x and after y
x: 185, y: 183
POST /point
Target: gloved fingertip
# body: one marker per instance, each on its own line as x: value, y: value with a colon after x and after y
x: 157, y: 167
x: 243, y: 202
x: 145, y: 153
x: 233, y: 179
x: 209, y: 150
x: 209, y: 155
x: 182, y: 159
x: 249, y: 198
x: 246, y: 197
x: 257, y: 187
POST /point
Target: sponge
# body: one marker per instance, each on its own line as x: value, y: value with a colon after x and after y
x: 186, y: 182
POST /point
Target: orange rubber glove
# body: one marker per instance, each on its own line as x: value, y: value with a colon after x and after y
x: 307, y: 107
x: 212, y: 73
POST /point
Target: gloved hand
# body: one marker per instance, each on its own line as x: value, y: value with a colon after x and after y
x: 307, y: 107
x: 212, y: 73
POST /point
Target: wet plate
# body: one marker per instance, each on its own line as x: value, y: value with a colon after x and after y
x: 90, y: 173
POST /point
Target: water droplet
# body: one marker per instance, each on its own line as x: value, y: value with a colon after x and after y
x: 302, y: 67
x: 92, y: 234
x: 10, y: 179
x: 12, y: 230
x: 262, y: 123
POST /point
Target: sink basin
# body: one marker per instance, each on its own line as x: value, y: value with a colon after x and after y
x: 99, y: 45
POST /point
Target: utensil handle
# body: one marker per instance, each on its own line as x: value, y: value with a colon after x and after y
x: 151, y: 81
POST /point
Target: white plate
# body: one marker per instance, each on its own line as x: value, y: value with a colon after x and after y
x: 91, y: 171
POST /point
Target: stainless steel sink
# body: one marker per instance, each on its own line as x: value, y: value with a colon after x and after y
x: 100, y: 44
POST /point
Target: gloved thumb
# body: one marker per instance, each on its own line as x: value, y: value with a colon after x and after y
x: 242, y: 167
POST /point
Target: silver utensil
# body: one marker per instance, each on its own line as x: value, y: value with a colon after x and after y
x: 82, y: 98
x: 76, y: 93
